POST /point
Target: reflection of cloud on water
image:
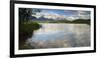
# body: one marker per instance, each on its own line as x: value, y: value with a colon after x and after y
x: 41, y: 36
x: 61, y: 35
x: 82, y: 35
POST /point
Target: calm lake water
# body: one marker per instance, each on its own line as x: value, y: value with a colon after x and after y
x: 54, y: 35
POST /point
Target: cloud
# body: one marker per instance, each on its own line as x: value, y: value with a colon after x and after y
x: 76, y: 14
x: 71, y: 18
x: 68, y: 14
x: 51, y: 15
x: 83, y: 14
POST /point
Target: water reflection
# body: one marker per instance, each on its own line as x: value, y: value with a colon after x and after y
x: 54, y: 35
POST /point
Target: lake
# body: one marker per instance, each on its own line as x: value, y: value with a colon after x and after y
x: 60, y: 35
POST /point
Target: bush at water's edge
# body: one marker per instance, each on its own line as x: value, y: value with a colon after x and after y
x: 26, y: 30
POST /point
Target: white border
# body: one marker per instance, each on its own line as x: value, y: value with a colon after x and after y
x: 33, y: 51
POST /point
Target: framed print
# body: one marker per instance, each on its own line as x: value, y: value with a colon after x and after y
x: 41, y: 28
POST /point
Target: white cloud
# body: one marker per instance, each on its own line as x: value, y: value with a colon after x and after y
x: 83, y: 14
x: 51, y: 15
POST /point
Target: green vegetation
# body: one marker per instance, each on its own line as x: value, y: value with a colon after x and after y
x: 76, y: 21
x: 28, y: 27
x: 81, y: 21
x: 24, y: 14
x: 26, y: 30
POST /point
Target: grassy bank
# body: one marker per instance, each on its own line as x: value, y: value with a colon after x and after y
x: 77, y: 21
x: 26, y: 30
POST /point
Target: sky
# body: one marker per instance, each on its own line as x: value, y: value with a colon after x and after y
x: 73, y: 14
